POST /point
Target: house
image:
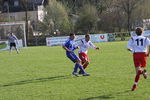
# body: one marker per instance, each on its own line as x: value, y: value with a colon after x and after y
x: 16, y: 10
x: 20, y: 10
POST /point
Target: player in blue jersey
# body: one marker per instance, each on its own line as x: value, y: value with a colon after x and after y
x: 12, y: 40
x: 70, y: 47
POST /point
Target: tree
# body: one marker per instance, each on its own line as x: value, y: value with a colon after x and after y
x: 88, y: 18
x: 76, y: 5
x: 0, y: 5
x: 128, y: 7
x: 25, y: 6
x: 56, y: 19
x: 143, y: 10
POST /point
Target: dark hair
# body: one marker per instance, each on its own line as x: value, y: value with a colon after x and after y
x: 87, y: 35
x: 71, y: 34
x: 139, y: 31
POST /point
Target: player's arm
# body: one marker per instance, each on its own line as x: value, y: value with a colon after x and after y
x: 129, y: 50
x: 129, y: 46
x: 66, y: 48
x: 75, y: 46
x: 78, y: 45
x: 8, y: 40
x: 148, y: 51
x: 93, y: 46
x: 16, y: 39
x: 148, y: 46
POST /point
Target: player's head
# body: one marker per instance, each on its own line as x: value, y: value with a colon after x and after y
x: 11, y: 33
x: 87, y: 37
x: 139, y: 31
x: 72, y: 36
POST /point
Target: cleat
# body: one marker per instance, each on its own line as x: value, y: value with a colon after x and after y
x: 86, y: 74
x: 75, y: 74
x: 133, y: 87
x: 144, y: 74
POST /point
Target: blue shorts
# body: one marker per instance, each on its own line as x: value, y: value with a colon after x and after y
x: 73, y: 57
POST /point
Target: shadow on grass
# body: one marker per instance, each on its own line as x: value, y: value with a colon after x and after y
x: 35, y: 80
x: 108, y: 96
x: 98, y: 97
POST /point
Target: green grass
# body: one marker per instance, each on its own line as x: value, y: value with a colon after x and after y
x: 44, y: 73
x: 3, y: 45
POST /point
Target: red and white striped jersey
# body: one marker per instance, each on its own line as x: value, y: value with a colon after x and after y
x: 84, y: 45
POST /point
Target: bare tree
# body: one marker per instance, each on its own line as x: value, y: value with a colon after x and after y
x: 25, y: 6
x: 0, y: 5
x: 128, y: 7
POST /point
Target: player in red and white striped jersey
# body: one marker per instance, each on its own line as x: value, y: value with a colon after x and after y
x: 84, y: 46
x: 138, y: 45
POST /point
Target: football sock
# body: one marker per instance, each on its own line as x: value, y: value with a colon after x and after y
x: 137, y: 77
x: 134, y: 86
x: 81, y: 68
x: 76, y: 67
x: 85, y: 65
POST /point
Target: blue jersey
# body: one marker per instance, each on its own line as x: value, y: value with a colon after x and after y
x: 70, y: 44
x: 12, y: 38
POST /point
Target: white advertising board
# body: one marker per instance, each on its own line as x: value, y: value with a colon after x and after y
x: 99, y: 38
x: 53, y: 41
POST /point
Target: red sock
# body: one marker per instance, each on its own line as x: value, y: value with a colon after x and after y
x: 85, y: 65
x: 134, y: 87
x: 137, y: 77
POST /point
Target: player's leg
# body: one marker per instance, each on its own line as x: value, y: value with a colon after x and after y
x: 10, y: 48
x: 139, y: 61
x: 16, y: 48
x: 143, y: 65
x: 142, y: 61
x: 79, y: 64
x: 137, y: 77
x: 137, y: 65
x: 81, y: 56
x: 84, y: 66
x: 73, y: 58
x: 84, y: 60
x: 145, y: 73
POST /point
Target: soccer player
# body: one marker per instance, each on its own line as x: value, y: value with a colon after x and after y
x: 138, y: 45
x: 84, y: 46
x: 69, y: 46
x: 12, y: 40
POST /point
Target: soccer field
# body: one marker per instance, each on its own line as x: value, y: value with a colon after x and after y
x: 44, y: 73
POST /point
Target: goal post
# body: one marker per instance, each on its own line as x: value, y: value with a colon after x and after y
x: 18, y: 28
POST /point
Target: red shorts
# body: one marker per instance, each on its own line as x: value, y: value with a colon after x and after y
x: 83, y: 56
x: 139, y: 59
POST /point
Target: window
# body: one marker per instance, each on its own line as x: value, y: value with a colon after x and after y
x: 16, y: 3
